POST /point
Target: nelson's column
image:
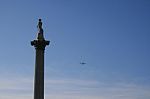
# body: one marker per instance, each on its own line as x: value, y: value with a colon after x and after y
x: 39, y: 44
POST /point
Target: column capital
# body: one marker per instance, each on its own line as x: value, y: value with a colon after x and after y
x: 40, y: 44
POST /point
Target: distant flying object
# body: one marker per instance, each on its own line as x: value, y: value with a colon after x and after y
x: 82, y: 63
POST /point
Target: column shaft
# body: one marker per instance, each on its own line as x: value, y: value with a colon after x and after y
x: 39, y: 74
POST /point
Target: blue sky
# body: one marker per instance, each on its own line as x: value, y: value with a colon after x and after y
x: 111, y: 36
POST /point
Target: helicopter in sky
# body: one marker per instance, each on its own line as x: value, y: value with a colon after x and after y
x: 82, y: 63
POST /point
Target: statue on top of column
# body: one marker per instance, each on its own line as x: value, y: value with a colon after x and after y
x: 40, y: 30
x: 39, y: 26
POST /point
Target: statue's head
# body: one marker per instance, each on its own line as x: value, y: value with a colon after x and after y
x: 40, y: 19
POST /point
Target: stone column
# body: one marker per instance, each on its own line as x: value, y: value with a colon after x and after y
x: 39, y: 45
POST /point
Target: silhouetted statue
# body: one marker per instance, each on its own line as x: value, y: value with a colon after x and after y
x: 39, y: 26
x: 40, y: 30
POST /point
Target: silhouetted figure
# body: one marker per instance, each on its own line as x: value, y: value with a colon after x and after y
x: 40, y: 30
x: 39, y: 26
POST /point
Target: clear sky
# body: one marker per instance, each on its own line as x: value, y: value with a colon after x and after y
x: 111, y: 36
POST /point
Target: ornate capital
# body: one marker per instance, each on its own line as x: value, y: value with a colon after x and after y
x: 40, y: 44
